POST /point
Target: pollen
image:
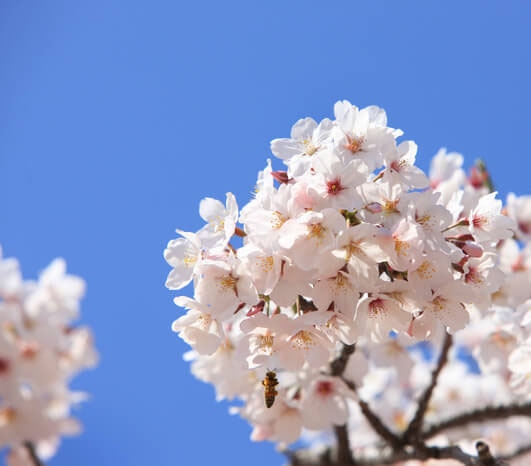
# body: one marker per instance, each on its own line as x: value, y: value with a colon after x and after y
x: 341, y: 281
x: 425, y: 220
x: 316, y: 230
x: 277, y: 220
x: 266, y: 342
x: 389, y: 206
x: 228, y: 282
x: 473, y: 276
x: 352, y: 249
x: 309, y: 147
x: 354, y: 144
x: 438, y: 304
x: 265, y: 263
x: 7, y: 415
x: 204, y: 321
x: 226, y: 346
x: 302, y: 340
x: 426, y: 270
x: 189, y: 259
x: 218, y: 225
x: 502, y: 339
x: 401, y: 247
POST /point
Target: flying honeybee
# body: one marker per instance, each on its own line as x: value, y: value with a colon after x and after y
x: 270, y: 382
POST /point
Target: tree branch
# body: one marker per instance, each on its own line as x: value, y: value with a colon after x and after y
x: 422, y: 453
x: 33, y: 454
x: 379, y: 427
x: 413, y: 432
x: 338, y: 365
x: 337, y: 368
x: 479, y: 415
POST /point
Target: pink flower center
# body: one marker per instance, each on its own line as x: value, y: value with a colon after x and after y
x: 4, y: 366
x: 334, y: 186
x: 325, y: 388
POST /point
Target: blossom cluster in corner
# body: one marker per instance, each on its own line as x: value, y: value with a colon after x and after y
x: 40, y: 352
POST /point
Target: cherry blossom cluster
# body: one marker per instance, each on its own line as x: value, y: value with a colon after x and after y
x: 40, y: 352
x: 352, y: 244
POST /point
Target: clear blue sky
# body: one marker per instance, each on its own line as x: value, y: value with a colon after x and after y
x: 117, y: 117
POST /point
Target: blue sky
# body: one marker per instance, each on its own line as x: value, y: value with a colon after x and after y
x: 118, y: 117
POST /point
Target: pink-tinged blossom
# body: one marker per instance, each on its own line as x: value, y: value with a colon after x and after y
x: 324, y: 404
x: 340, y: 326
x: 446, y: 175
x: 486, y: 221
x: 294, y: 282
x: 445, y: 310
x: 265, y: 339
x: 183, y: 254
x: 197, y: 327
x: 519, y: 209
x: 381, y: 203
x: 377, y: 315
x: 359, y: 247
x: 307, y: 140
x: 262, y: 267
x: 307, y: 238
x: 362, y: 134
x: 403, y: 244
x: 334, y: 182
x: 308, y: 343
x: 40, y: 352
x: 221, y: 289
x: 221, y: 221
x: 401, y: 169
x: 482, y: 278
x: 339, y: 290
x: 433, y: 271
x: 393, y: 353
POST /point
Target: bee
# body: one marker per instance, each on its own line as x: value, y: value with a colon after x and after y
x: 270, y: 382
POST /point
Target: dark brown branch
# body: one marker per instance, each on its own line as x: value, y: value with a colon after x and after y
x: 337, y: 368
x: 484, y: 454
x: 344, y: 453
x: 33, y: 454
x: 305, y: 458
x: 338, y: 365
x: 413, y: 432
x: 479, y: 415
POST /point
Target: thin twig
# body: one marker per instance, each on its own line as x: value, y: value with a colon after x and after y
x: 379, y: 427
x: 33, y: 454
x: 412, y: 433
x: 479, y: 415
